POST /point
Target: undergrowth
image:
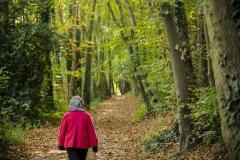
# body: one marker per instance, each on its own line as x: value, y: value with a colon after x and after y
x: 51, y: 118
x: 162, y: 139
x: 141, y: 113
x: 14, y: 133
x: 11, y: 133
x: 205, y: 116
x: 95, y: 104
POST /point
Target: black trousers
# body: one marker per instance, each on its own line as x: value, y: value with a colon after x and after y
x: 77, y: 154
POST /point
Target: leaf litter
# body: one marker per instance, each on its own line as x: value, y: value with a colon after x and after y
x: 119, y: 137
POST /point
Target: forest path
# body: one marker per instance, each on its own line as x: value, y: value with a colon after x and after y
x: 117, y: 131
x: 119, y: 137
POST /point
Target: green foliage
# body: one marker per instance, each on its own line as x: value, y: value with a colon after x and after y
x: 205, y: 115
x: 25, y: 48
x: 3, y: 79
x: 23, y: 66
x: 14, y: 134
x: 60, y: 105
x: 11, y: 132
x: 141, y: 113
x: 51, y: 118
x: 25, y: 72
x: 95, y: 103
x: 160, y: 75
x: 159, y: 140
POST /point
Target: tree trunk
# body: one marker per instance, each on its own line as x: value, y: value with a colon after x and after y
x: 110, y: 77
x: 202, y: 60
x: 137, y: 88
x: 100, y: 75
x: 64, y: 78
x: 184, y: 47
x: 134, y: 55
x: 73, y: 43
x: 136, y: 59
x: 87, y: 78
x: 180, y: 78
x: 95, y: 76
x: 224, y: 53
x: 104, y: 84
x: 77, y: 87
x: 105, y: 89
x: 209, y: 61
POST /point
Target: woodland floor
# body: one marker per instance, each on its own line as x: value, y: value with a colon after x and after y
x: 118, y: 134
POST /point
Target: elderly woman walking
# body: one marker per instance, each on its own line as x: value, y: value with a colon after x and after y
x: 77, y: 133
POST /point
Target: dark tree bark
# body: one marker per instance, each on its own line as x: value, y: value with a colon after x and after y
x: 180, y: 78
x: 102, y: 86
x: 87, y: 78
x: 224, y: 52
x: 203, y: 59
x: 110, y: 83
x: 184, y: 47
x: 209, y: 61
x: 73, y: 63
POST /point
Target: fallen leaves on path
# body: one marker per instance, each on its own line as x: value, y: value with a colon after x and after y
x: 119, y: 136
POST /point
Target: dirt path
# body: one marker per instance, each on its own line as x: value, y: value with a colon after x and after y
x: 117, y: 132
x: 118, y: 135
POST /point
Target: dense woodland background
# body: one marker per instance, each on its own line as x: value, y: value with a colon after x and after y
x: 179, y: 56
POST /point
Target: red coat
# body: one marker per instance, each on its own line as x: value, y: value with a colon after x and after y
x: 77, y: 131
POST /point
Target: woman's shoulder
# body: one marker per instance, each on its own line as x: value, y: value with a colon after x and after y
x: 80, y: 113
x: 86, y: 113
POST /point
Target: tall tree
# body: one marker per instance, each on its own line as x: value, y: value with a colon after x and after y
x: 73, y: 41
x: 187, y: 141
x: 133, y: 50
x: 136, y: 58
x: 89, y: 52
x: 60, y: 74
x: 184, y: 46
x: 209, y: 61
x: 202, y: 50
x: 224, y: 52
x: 102, y: 86
x: 110, y: 77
